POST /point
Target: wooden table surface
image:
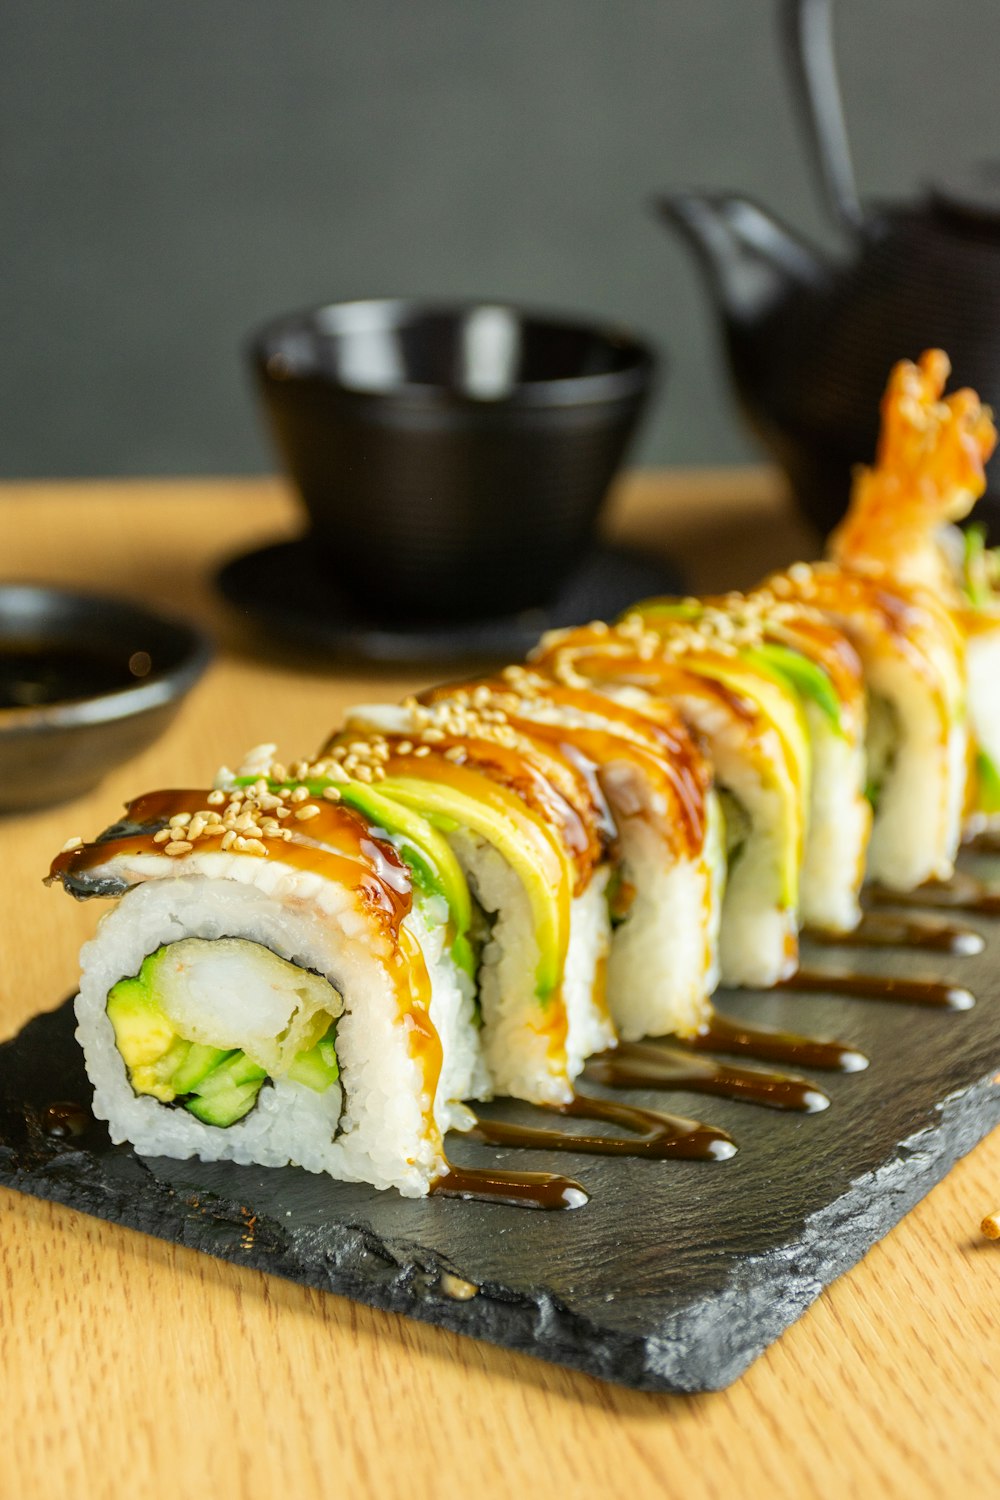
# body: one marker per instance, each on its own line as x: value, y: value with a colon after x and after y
x: 129, y: 1367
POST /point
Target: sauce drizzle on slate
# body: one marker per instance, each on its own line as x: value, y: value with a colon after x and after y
x: 886, y: 929
x: 655, y: 1134
x: 656, y: 1065
x: 936, y: 994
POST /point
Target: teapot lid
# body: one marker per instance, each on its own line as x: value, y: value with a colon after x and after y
x: 970, y: 198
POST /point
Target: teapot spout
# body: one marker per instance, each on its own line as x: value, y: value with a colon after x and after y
x: 752, y: 260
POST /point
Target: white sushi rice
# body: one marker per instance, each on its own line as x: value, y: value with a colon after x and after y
x: 758, y: 933
x: 379, y: 1127
x: 584, y: 984
x: 453, y: 1012
x: 918, y: 819
x: 984, y: 706
x: 534, y: 1047
x: 663, y: 964
x: 840, y: 822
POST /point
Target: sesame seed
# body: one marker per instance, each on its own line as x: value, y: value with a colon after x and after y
x: 76, y: 842
x: 305, y: 813
x: 421, y: 751
x: 331, y: 793
x: 229, y: 838
x: 163, y: 836
x: 177, y: 846
x: 299, y: 795
x: 254, y: 846
x: 216, y: 798
x: 179, y: 820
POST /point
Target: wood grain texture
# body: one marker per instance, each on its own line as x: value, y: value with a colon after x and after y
x: 129, y: 1367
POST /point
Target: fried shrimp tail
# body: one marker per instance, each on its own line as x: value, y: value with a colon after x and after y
x: 928, y: 473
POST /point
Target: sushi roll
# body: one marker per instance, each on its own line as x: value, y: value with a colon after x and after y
x: 665, y: 851
x: 753, y: 729
x: 979, y: 614
x: 817, y: 662
x: 887, y: 585
x: 270, y: 985
x: 530, y: 831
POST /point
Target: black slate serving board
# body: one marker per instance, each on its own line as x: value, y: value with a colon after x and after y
x: 674, y: 1277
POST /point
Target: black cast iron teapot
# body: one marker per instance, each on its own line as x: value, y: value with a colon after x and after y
x: 811, y: 339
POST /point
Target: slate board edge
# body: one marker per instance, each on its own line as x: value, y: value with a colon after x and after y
x: 734, y: 1328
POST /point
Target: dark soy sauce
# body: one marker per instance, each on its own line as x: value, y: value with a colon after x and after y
x: 725, y: 1034
x: 885, y: 929
x: 34, y: 673
x: 936, y: 994
x: 655, y: 1134
x: 960, y: 893
x: 518, y: 1189
x: 65, y: 1121
x: 652, y: 1065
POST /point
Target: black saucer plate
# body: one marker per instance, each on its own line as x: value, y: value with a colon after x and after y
x: 284, y: 590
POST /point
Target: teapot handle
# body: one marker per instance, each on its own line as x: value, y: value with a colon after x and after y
x: 808, y: 32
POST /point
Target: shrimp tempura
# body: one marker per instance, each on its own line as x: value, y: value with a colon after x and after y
x: 928, y: 471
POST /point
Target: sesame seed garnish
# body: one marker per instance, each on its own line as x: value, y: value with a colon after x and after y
x: 331, y: 794
x: 305, y: 813
x: 216, y: 798
x: 178, y: 846
x: 163, y: 836
x: 76, y: 842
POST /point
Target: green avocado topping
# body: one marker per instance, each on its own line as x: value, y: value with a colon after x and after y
x: 801, y: 675
x: 980, y: 568
x: 420, y: 845
x: 987, y: 783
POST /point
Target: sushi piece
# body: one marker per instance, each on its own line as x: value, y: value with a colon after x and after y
x: 817, y: 662
x: 271, y: 987
x: 530, y: 832
x: 888, y: 586
x: 979, y: 614
x: 753, y: 729
x: 665, y: 852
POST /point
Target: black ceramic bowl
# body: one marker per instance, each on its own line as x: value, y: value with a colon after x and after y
x: 453, y: 459
x: 85, y: 683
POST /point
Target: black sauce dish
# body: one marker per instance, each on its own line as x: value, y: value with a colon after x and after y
x: 86, y: 682
x: 453, y: 458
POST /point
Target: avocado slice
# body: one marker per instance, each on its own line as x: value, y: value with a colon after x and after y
x: 150, y: 1048
x: 781, y: 707
x: 433, y: 866
x: 987, y: 783
x: 501, y: 821
x: 801, y: 675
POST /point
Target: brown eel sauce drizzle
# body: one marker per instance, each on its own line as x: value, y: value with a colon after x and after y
x: 655, y: 1134
x: 519, y: 1189
x: 936, y: 994
x: 726, y: 1034
x: 960, y: 893
x: 885, y: 929
x: 654, y: 1065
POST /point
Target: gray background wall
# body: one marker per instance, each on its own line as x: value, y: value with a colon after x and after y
x: 174, y: 171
